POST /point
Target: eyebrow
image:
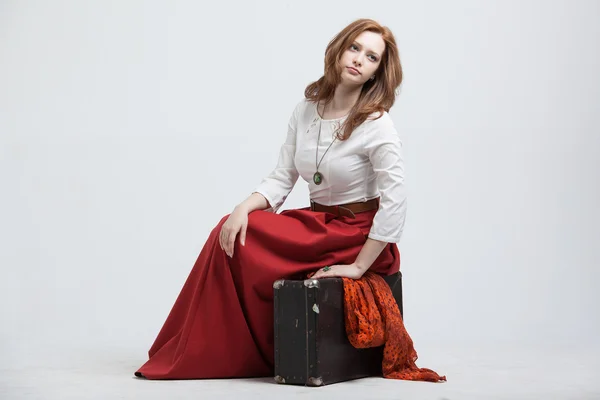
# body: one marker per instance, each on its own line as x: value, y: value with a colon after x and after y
x: 360, y: 45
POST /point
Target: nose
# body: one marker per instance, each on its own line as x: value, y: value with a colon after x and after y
x: 357, y: 59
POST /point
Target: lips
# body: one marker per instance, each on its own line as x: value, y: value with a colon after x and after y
x: 354, y: 69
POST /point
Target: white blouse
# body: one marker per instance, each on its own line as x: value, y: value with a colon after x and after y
x: 369, y: 164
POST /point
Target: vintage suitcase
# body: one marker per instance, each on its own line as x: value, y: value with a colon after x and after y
x: 311, y: 345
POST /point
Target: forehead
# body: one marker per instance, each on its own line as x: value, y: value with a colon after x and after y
x: 371, y: 41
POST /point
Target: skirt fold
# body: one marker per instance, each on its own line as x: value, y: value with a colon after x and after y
x: 221, y: 325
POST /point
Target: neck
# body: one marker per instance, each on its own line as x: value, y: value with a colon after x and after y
x: 344, y: 98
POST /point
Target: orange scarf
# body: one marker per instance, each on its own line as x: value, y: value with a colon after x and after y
x: 373, y: 319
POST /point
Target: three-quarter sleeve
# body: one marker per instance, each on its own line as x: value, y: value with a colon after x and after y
x: 276, y: 186
x: 383, y: 147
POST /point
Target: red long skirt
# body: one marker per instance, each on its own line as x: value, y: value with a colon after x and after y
x: 221, y: 325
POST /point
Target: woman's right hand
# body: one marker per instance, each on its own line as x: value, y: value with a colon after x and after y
x: 236, y: 223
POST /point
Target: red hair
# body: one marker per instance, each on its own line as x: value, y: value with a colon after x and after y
x: 377, y: 95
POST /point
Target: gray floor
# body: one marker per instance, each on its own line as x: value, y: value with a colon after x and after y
x: 473, y: 373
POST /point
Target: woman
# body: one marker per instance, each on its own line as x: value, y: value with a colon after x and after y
x: 342, y: 141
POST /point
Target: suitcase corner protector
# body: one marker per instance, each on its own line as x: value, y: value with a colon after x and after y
x: 279, y: 379
x: 311, y: 283
x: 278, y: 283
x: 312, y: 381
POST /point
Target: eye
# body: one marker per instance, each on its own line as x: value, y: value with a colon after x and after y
x: 355, y: 47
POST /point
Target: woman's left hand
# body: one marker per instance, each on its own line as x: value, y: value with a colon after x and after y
x: 342, y: 271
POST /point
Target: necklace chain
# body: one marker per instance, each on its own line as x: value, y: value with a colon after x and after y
x: 317, y: 152
x: 318, y: 177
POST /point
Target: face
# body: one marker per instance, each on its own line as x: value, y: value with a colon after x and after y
x: 362, y: 58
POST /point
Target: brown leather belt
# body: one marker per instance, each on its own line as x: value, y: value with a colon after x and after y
x: 347, y: 210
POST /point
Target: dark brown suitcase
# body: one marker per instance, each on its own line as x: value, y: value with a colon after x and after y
x: 311, y: 345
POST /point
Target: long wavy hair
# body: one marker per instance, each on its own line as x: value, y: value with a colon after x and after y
x: 376, y: 95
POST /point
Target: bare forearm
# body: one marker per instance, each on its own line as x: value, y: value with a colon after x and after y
x: 255, y: 201
x: 369, y: 253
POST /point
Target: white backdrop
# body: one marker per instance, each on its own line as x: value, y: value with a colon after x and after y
x: 129, y: 128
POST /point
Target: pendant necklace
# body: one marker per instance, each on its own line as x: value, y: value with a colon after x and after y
x: 318, y: 177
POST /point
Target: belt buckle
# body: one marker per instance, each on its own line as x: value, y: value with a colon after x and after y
x: 347, y: 212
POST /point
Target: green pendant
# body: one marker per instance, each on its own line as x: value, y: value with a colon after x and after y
x: 317, y: 178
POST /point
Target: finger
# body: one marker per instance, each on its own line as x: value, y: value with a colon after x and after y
x: 243, y: 235
x: 231, y: 243
x: 321, y: 274
x: 224, y: 241
x: 330, y: 273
